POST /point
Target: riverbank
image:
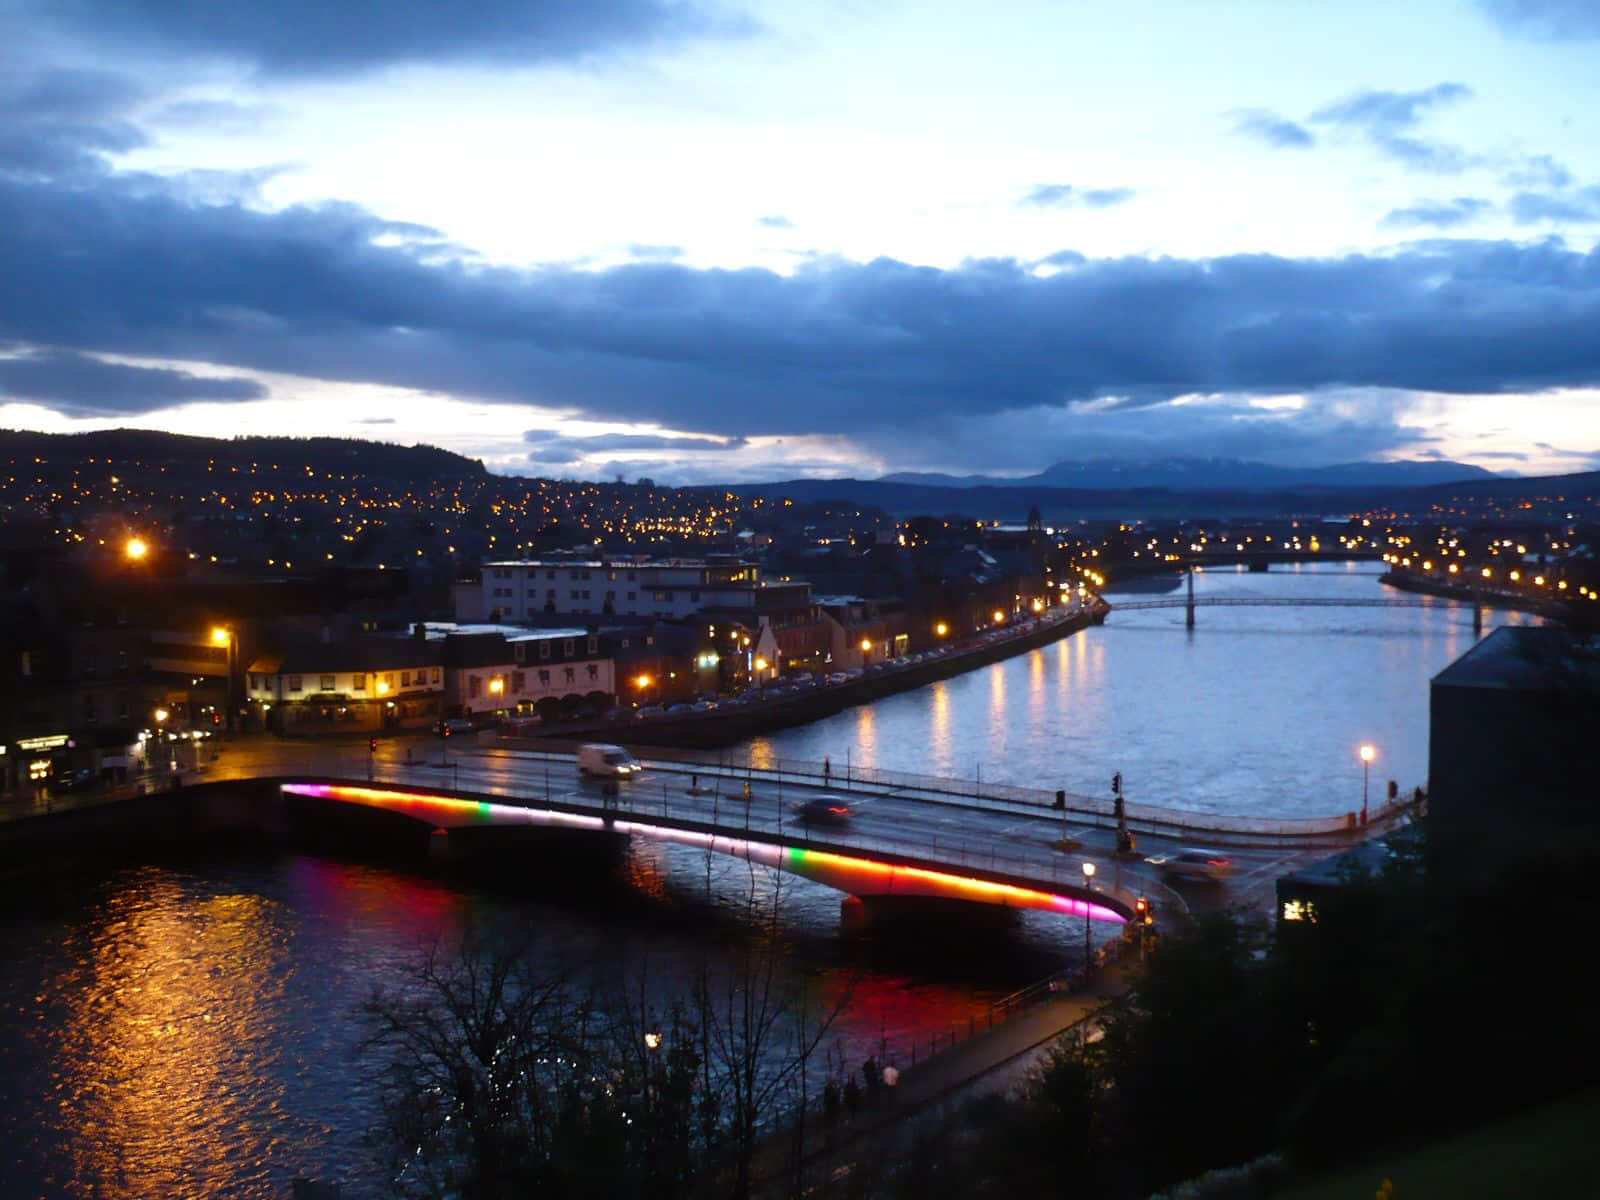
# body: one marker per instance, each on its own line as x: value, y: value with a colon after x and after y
x: 733, y: 722
x: 1469, y: 593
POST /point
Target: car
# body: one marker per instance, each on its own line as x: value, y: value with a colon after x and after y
x: 1194, y: 862
x: 604, y: 759
x: 678, y: 709
x: 75, y: 780
x: 824, y: 810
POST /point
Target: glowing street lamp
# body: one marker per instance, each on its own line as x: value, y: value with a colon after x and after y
x: 1088, y: 886
x: 1367, y: 755
x: 135, y: 549
x: 221, y: 635
x: 941, y: 629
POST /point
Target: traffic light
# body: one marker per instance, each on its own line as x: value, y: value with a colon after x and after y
x: 1116, y: 783
x: 1061, y: 799
x: 372, y: 745
x: 1394, y: 789
x: 1143, y: 912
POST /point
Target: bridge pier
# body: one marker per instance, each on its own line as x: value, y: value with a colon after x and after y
x: 1188, y: 607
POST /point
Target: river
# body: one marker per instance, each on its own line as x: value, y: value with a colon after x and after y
x: 188, y: 1028
x: 1258, y: 711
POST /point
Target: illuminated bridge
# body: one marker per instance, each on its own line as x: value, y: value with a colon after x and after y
x: 867, y: 860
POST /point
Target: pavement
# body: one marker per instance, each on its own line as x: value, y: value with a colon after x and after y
x: 992, y: 1060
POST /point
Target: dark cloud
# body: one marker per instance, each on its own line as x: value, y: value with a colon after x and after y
x: 1385, y: 119
x: 1538, y: 170
x: 1557, y: 20
x: 79, y: 386
x: 649, y: 253
x: 836, y: 347
x: 216, y: 116
x: 1269, y: 127
x: 550, y: 447
x: 1437, y: 214
x: 775, y: 221
x: 376, y: 421
x: 1579, y: 206
x: 1063, y: 195
x: 314, y: 37
x: 61, y: 124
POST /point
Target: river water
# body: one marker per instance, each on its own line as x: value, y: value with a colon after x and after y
x: 188, y: 1028
x: 1258, y: 711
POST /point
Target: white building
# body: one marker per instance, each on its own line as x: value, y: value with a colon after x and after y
x: 667, y: 589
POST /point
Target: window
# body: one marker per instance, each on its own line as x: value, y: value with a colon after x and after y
x: 632, y: 596
x: 123, y: 699
x: 519, y: 651
x: 519, y: 680
x: 574, y: 594
x: 567, y: 647
x: 122, y: 661
x: 594, y: 644
x: 631, y: 577
x: 326, y: 683
x: 436, y: 674
x: 550, y: 595
x: 585, y: 593
x: 405, y: 679
x: 544, y: 649
x: 294, y: 683
x: 570, y: 674
x: 474, y: 686
x: 88, y: 706
x: 624, y: 643
x: 544, y: 678
x: 533, y: 593
x: 358, y: 682
x: 694, y: 597
x: 549, y: 574
x: 594, y: 671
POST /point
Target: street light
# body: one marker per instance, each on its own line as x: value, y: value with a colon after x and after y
x: 1367, y: 755
x: 1088, y: 886
x: 221, y: 635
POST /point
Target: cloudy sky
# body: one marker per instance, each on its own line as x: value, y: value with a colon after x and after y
x: 732, y: 241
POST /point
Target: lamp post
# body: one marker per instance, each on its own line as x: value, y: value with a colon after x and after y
x: 1367, y: 755
x: 1088, y: 886
x: 223, y: 636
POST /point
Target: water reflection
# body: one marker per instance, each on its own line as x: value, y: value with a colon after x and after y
x: 1252, y: 713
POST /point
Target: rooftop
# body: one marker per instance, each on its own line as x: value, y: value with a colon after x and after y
x: 1527, y: 659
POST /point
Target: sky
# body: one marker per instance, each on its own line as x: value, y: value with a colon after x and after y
x: 726, y: 242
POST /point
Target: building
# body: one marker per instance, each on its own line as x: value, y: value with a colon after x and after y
x: 664, y: 589
x: 1513, y: 754
x: 346, y: 684
x: 554, y: 673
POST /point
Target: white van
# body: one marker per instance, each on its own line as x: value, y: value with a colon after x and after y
x: 601, y: 758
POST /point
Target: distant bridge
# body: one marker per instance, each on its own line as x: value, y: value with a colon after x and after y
x: 1275, y: 602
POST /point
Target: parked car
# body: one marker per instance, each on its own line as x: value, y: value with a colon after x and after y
x: 72, y: 781
x: 1193, y: 862
x: 824, y: 810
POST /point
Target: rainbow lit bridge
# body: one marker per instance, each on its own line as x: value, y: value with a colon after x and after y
x: 870, y: 870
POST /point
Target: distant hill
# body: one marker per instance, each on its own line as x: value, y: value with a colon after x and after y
x: 338, y: 456
x: 1212, y: 475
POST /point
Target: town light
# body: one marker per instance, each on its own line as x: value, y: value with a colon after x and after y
x: 643, y: 681
x: 220, y: 636
x: 135, y: 548
x: 496, y: 686
x: 1367, y: 755
x: 941, y: 629
x: 383, y: 687
x: 999, y: 617
x: 866, y: 645
x: 761, y: 664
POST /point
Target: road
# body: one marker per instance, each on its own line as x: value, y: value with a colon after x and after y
x: 1018, y: 840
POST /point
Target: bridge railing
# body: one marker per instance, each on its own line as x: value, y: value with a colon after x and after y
x: 755, y: 763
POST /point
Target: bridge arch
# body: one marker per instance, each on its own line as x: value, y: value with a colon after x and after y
x: 845, y: 869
